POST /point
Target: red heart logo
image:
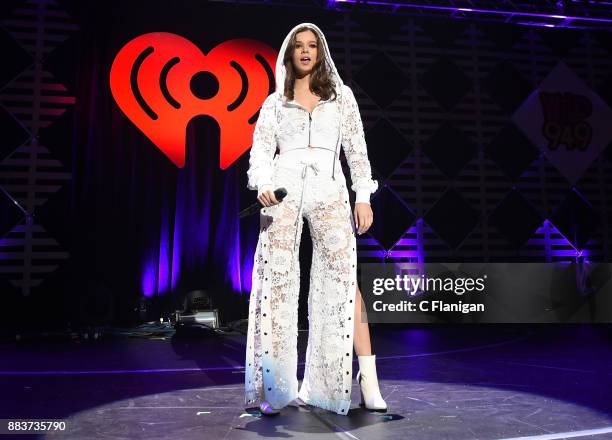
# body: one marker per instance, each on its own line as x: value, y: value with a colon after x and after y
x: 151, y: 79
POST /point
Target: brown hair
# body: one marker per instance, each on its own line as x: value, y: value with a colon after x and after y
x: 320, y: 77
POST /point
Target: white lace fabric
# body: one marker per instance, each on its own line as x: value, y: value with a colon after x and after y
x: 271, y: 354
x: 285, y: 125
x: 307, y: 165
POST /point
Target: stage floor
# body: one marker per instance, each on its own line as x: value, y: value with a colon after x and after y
x: 440, y: 382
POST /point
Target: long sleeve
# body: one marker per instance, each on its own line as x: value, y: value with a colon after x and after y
x: 264, y: 146
x: 355, y: 149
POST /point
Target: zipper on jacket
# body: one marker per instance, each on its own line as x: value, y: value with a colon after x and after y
x: 309, y: 121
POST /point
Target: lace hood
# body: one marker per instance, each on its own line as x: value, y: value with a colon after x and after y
x: 281, y: 71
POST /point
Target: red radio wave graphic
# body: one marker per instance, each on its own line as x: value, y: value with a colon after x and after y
x: 151, y: 78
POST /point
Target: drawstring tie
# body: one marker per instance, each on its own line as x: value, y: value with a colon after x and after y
x: 315, y: 168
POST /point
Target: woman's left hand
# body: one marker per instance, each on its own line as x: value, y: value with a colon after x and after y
x: 363, y: 217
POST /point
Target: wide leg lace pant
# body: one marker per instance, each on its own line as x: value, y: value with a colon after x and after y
x: 271, y: 351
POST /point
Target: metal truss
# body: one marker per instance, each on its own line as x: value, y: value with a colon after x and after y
x: 575, y: 14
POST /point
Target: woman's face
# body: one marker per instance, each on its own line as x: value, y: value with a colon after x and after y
x: 305, y: 52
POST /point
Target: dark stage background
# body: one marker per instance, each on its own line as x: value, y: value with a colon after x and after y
x: 115, y: 220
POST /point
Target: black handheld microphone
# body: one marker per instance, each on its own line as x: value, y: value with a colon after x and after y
x: 279, y: 193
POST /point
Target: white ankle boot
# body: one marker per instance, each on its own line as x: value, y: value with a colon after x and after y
x: 267, y: 409
x: 368, y: 382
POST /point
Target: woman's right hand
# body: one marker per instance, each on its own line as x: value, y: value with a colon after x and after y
x: 267, y: 198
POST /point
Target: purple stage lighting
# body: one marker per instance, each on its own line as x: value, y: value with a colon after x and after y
x: 593, y: 15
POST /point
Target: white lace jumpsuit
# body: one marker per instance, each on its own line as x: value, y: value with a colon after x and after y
x: 307, y: 159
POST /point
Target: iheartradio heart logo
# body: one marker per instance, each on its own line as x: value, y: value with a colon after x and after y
x: 152, y: 80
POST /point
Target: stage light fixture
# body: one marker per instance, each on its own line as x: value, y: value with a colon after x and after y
x: 197, y: 311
